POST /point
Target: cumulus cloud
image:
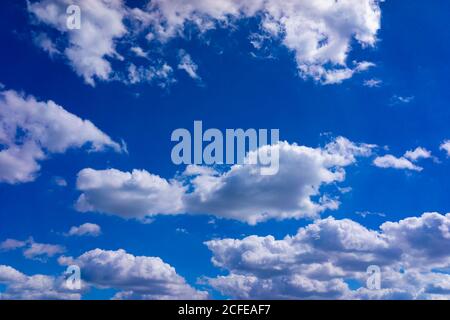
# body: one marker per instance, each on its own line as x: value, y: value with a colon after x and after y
x: 406, y: 162
x: 137, y: 277
x: 131, y: 195
x: 319, y: 33
x: 318, y: 261
x: 86, y: 229
x: 30, y: 129
x: 19, y: 286
x: 240, y: 193
x: 243, y: 194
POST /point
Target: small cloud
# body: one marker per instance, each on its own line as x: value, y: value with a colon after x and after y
x: 195, y: 170
x: 417, y: 154
x: 365, y: 214
x: 345, y: 190
x: 445, y: 146
x: 407, y: 161
x: 161, y: 73
x: 188, y: 65
x: 42, y: 41
x: 390, y: 161
x: 337, y: 75
x: 33, y: 250
x: 12, y: 244
x: 181, y: 230
x: 139, y: 52
x: 401, y: 100
x: 60, y: 181
x: 372, y: 83
x: 86, y: 229
x: 124, y: 146
x: 41, y: 251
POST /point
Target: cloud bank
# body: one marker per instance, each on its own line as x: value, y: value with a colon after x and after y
x: 322, y: 257
x: 240, y: 193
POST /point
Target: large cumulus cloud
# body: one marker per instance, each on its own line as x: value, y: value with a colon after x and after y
x: 322, y: 257
x: 240, y: 193
x: 136, y: 277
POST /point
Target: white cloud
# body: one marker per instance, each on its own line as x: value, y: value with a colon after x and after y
x: 60, y: 181
x: 139, y: 52
x: 33, y: 250
x: 12, y: 244
x: 401, y: 99
x: 243, y: 194
x: 334, y: 76
x: 318, y: 32
x: 29, y: 129
x: 36, y: 287
x: 182, y: 230
x: 365, y: 214
x: 89, y: 47
x: 407, y: 161
x: 42, y: 251
x: 373, y: 83
x: 86, y: 229
x: 418, y: 153
x: 188, y: 65
x: 321, y: 257
x: 446, y: 147
x: 194, y: 170
x: 162, y: 74
x: 131, y: 195
x: 137, y: 277
x: 390, y: 161
x: 240, y: 193
x: 46, y: 44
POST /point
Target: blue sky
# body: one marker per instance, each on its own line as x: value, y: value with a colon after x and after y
x: 396, y: 104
